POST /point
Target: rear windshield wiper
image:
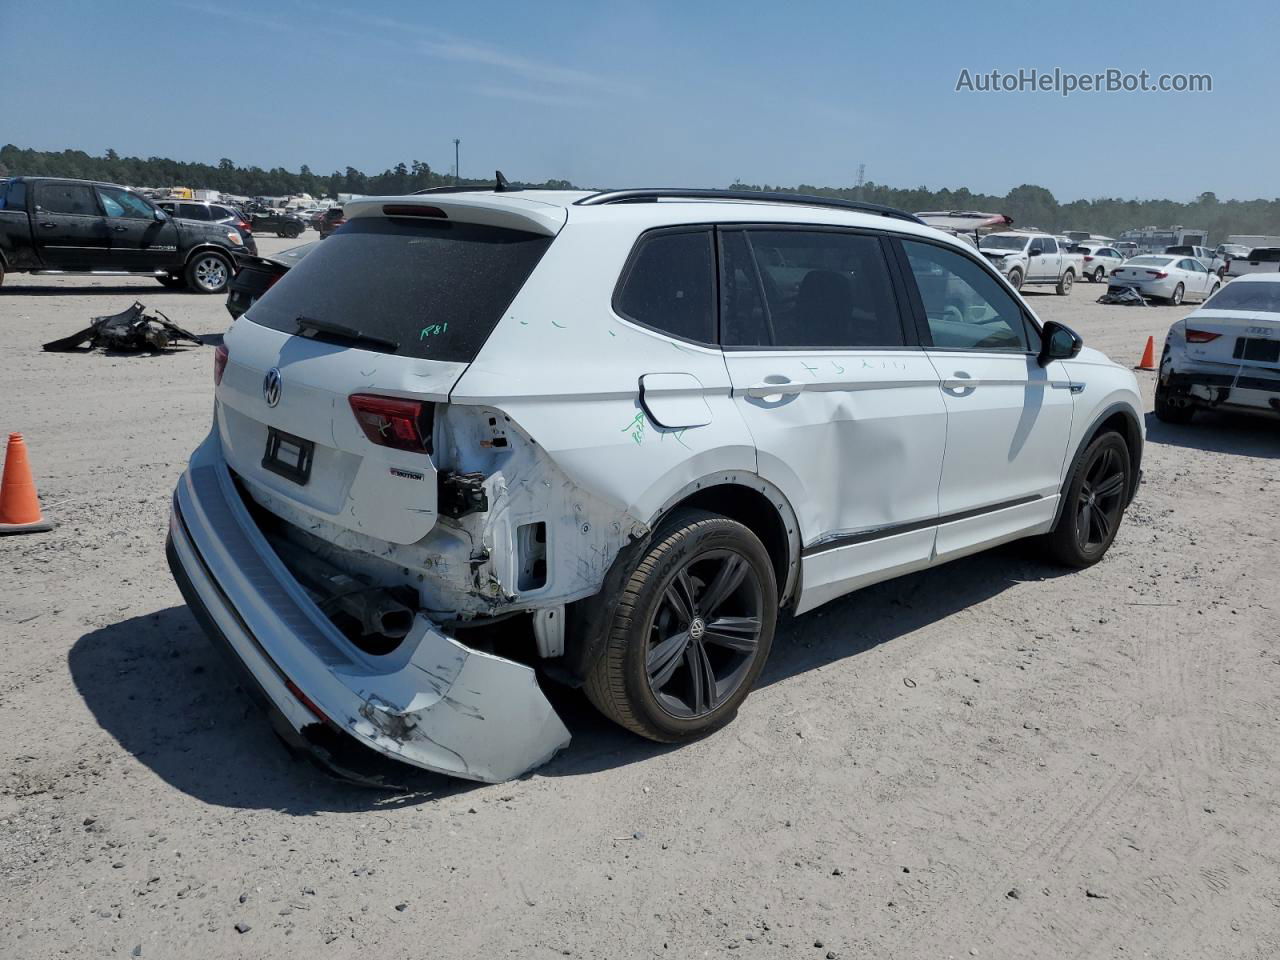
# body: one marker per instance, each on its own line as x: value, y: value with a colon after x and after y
x: 343, y: 332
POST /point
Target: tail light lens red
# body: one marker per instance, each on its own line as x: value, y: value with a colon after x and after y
x: 1087, y: 258
x: 1201, y: 336
x: 220, y: 355
x: 1158, y: 274
x: 394, y: 422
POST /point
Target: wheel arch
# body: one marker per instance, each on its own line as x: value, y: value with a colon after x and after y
x: 211, y: 248
x: 756, y: 504
x: 739, y: 495
x: 1118, y: 417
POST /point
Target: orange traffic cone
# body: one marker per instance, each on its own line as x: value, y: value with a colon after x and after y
x: 1148, y: 361
x: 19, y: 508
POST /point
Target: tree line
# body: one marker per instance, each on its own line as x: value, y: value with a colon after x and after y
x: 1033, y: 206
x: 228, y: 177
x: 1029, y: 205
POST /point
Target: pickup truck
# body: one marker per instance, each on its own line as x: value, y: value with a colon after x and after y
x: 50, y: 225
x: 1032, y: 258
x: 1259, y: 260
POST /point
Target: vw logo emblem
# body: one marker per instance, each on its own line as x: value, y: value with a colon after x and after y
x: 697, y: 628
x: 272, y: 384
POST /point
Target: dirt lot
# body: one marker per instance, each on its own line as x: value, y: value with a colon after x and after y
x: 993, y: 759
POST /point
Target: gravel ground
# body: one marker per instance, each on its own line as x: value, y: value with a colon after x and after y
x: 994, y: 758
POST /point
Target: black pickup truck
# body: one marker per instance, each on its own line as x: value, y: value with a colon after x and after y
x: 52, y: 225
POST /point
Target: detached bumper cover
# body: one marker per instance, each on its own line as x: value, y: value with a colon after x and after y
x: 433, y: 703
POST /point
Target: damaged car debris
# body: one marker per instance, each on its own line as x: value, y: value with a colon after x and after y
x: 132, y: 330
x: 481, y: 439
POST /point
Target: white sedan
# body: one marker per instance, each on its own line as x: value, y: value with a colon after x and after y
x: 1225, y: 355
x: 1169, y: 278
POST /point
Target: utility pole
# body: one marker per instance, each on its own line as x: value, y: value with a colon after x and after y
x: 862, y: 178
x: 457, y: 170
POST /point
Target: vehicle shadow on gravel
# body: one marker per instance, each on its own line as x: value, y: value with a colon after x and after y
x: 168, y: 697
x: 836, y: 631
x: 1217, y: 432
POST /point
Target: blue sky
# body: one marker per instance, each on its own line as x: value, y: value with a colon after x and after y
x: 696, y: 93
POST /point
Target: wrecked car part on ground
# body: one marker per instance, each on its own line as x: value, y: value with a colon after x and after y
x: 132, y: 330
x: 478, y: 438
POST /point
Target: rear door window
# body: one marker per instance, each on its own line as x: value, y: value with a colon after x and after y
x: 193, y: 211
x: 435, y: 288
x: 1047, y: 245
x: 820, y: 288
x: 73, y: 198
x: 669, y: 285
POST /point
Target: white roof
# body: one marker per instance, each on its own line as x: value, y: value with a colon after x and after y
x: 547, y: 211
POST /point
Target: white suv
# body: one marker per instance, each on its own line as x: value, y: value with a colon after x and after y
x: 610, y: 436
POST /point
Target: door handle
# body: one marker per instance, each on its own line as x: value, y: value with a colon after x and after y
x: 119, y: 229
x: 767, y: 388
x: 48, y: 226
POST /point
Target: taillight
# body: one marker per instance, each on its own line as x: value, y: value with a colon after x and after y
x: 1087, y: 258
x: 394, y: 422
x: 1201, y: 336
x: 1158, y: 274
x: 243, y: 226
x: 219, y: 362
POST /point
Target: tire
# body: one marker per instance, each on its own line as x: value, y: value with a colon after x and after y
x: 170, y: 282
x: 668, y: 697
x: 292, y: 233
x: 1099, y: 275
x: 1169, y: 412
x: 1104, y: 465
x: 1222, y: 273
x: 1015, y: 278
x: 208, y: 272
x: 1065, y: 283
x: 1, y: 273
x: 1216, y: 288
x: 1178, y: 293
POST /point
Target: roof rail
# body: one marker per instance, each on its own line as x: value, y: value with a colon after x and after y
x: 654, y: 194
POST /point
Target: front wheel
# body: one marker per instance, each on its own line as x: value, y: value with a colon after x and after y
x: 208, y: 272
x: 1065, y: 282
x: 1099, y: 275
x: 691, y: 631
x: 1093, y: 503
x: 1216, y: 288
x: 1178, y: 293
x: 1015, y: 278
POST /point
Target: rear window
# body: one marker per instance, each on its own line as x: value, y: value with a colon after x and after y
x: 1265, y: 254
x: 1260, y: 296
x: 436, y: 288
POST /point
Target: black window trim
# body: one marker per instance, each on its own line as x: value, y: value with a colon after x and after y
x: 1029, y: 322
x: 910, y: 336
x: 705, y: 228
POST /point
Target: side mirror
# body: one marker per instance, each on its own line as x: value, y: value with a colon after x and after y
x: 161, y: 215
x: 1058, y: 342
x: 1035, y: 251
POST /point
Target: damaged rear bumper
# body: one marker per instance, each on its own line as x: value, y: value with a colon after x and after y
x: 433, y: 702
x: 1226, y: 386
